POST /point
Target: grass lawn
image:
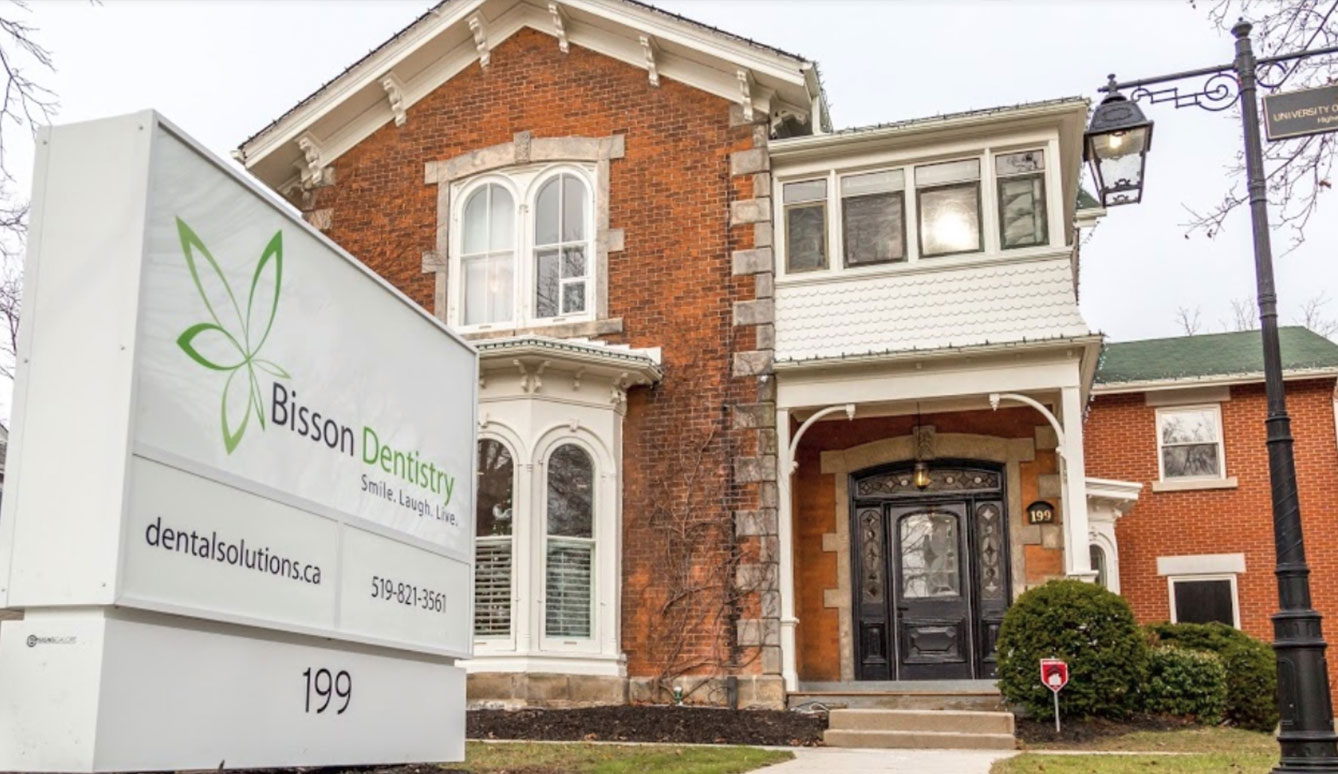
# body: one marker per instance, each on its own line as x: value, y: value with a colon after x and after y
x: 579, y: 758
x: 1212, y: 750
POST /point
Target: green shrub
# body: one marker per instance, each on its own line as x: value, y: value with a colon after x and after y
x: 1186, y: 683
x: 1251, y: 667
x: 1085, y: 625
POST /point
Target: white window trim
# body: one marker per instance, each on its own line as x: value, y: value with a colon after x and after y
x: 1171, y: 580
x: 523, y: 182
x: 508, y: 641
x: 590, y: 644
x: 1220, y: 478
x: 991, y: 242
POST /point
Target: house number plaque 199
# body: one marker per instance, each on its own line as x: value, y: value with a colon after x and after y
x: 1041, y: 512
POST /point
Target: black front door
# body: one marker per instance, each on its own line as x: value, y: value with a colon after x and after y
x: 930, y: 572
x: 933, y: 608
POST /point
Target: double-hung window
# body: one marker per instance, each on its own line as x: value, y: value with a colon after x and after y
x: 569, y: 555
x: 525, y: 249
x: 948, y: 200
x: 873, y: 218
x: 805, y: 225
x: 1189, y: 442
x: 1021, y: 189
x: 494, y: 519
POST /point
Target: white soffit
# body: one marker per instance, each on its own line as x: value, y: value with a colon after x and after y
x: 970, y: 306
x: 441, y: 44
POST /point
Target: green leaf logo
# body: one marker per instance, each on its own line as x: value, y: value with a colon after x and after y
x: 231, y: 341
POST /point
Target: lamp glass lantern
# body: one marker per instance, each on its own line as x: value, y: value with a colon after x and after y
x: 1116, y: 145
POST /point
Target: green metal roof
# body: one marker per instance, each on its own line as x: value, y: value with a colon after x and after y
x: 1211, y: 355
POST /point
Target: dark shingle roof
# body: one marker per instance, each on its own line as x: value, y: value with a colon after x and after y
x: 1211, y: 355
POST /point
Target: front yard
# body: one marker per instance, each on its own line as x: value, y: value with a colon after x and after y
x: 1186, y: 751
x: 577, y: 758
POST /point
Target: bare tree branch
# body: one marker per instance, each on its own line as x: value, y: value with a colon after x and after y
x: 1313, y: 316
x: 1298, y: 171
x: 1189, y: 321
x: 1243, y: 315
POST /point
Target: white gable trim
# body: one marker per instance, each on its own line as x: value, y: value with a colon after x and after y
x: 683, y: 52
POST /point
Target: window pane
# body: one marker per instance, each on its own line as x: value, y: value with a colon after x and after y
x: 950, y: 219
x: 1193, y: 460
x: 546, y: 213
x: 502, y: 234
x: 929, y: 556
x: 573, y: 209
x: 872, y: 229
x: 492, y: 506
x: 573, y: 262
x: 475, y: 222
x: 1203, y: 601
x: 492, y: 588
x: 1022, y: 211
x: 500, y: 273
x: 948, y: 172
x: 1193, y: 426
x: 571, y: 481
x: 806, y: 237
x: 1019, y: 163
x: 567, y: 589
x: 808, y: 191
x: 546, y: 283
x: 573, y: 297
x: 873, y: 182
x: 1098, y: 558
x: 476, y: 290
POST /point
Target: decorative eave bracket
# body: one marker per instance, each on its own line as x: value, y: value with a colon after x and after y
x: 312, y: 167
x: 479, y: 27
x: 651, y: 51
x: 559, y: 26
x: 395, y: 93
x: 746, y: 86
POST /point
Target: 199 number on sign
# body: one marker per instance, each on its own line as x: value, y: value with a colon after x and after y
x: 328, y: 686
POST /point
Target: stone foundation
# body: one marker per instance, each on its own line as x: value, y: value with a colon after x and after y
x: 755, y: 691
x: 511, y: 690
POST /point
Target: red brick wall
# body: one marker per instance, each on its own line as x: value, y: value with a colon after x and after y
x: 672, y: 285
x: 1121, y: 443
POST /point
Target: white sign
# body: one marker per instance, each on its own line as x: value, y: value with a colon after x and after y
x: 220, y: 414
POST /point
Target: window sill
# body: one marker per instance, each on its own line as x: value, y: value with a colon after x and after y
x: 560, y: 330
x: 921, y: 265
x: 1194, y: 484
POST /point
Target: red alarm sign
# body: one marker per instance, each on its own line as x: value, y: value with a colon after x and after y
x: 1054, y: 674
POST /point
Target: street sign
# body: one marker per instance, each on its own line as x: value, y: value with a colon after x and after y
x: 1301, y: 113
x: 239, y: 505
x: 1054, y: 675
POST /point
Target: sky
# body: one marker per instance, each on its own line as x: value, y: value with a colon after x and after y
x: 222, y: 70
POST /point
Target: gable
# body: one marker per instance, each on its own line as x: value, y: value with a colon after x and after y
x: 458, y: 34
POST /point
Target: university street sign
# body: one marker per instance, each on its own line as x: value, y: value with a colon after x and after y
x: 1300, y: 113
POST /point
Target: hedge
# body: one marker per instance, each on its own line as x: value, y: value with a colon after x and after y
x: 1088, y: 627
x: 1186, y: 683
x: 1251, y: 668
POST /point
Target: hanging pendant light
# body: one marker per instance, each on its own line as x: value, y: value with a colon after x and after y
x: 921, y: 473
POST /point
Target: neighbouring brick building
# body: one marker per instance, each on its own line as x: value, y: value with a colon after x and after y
x: 767, y: 410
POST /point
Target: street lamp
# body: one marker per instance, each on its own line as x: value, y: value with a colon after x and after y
x: 1116, y: 144
x: 1306, y: 732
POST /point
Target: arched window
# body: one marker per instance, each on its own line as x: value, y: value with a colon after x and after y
x: 561, y: 249
x: 1098, y: 559
x: 488, y: 255
x: 570, y: 551
x: 494, y: 510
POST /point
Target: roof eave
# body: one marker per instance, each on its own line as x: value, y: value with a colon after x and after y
x: 1058, y: 342
x: 1212, y: 380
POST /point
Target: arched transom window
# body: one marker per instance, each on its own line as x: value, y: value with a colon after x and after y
x: 526, y: 257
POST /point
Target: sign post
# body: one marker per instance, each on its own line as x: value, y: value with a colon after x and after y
x: 239, y: 507
x: 1054, y: 675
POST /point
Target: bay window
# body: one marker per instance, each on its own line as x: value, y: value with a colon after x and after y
x: 873, y: 218
x: 805, y: 225
x: 494, y: 511
x: 1021, y: 189
x: 948, y: 199
x: 569, y: 555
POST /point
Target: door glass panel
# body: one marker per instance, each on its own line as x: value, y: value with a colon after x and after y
x: 929, y: 556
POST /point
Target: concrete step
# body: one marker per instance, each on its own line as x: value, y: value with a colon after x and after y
x: 984, y: 700
x: 920, y: 740
x: 946, y: 721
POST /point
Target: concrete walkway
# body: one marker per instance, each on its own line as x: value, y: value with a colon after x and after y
x: 833, y: 760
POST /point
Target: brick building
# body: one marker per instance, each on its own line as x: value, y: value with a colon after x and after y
x: 768, y: 411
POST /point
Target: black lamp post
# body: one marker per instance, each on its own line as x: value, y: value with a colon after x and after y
x: 1116, y: 144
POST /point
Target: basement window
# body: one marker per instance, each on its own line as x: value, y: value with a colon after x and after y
x: 1204, y: 599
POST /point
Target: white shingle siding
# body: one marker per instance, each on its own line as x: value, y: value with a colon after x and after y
x: 927, y: 310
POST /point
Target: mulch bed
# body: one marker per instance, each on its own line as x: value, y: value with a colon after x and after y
x: 1091, y: 729
x: 640, y: 723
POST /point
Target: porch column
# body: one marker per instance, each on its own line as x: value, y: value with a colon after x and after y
x: 1077, y: 555
x: 785, y: 548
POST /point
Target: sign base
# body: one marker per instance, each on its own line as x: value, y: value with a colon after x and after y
x: 110, y: 689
